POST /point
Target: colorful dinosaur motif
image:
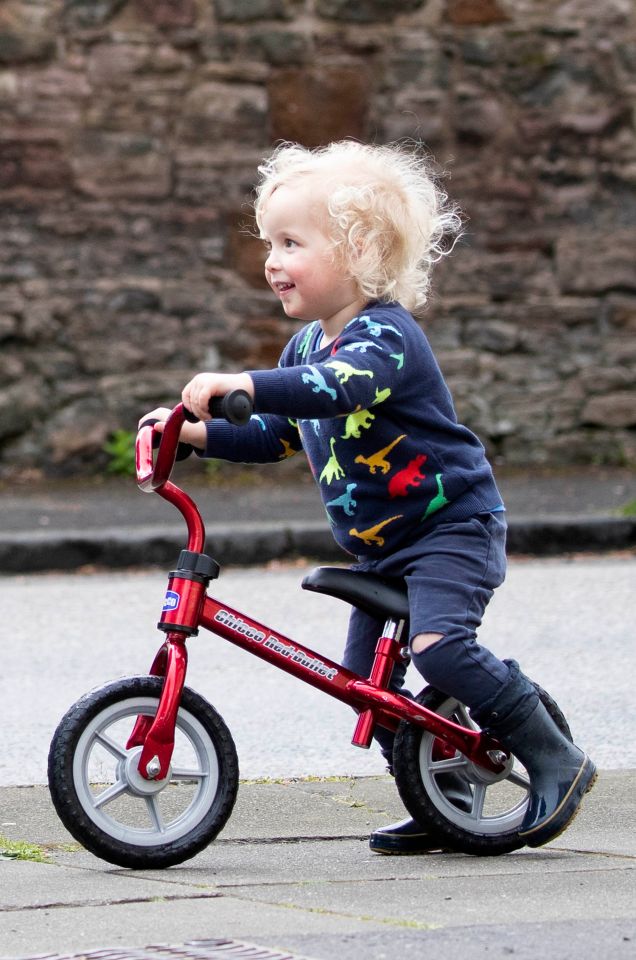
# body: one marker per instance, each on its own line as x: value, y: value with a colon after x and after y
x: 344, y: 371
x: 371, y: 535
x: 381, y: 395
x: 346, y: 500
x: 288, y: 450
x: 361, y: 346
x: 357, y: 421
x: 375, y: 329
x: 332, y: 469
x: 438, y: 501
x: 410, y: 476
x: 377, y: 460
x: 305, y: 343
x: 319, y: 384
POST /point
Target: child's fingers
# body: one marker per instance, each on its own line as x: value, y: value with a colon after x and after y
x: 159, y: 415
x: 196, y: 397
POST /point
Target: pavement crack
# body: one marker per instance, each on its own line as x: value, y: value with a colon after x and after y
x: 398, y: 878
x: 346, y: 915
x: 119, y: 902
x: 240, y: 841
x: 605, y: 854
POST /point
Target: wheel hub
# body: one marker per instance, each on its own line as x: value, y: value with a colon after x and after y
x: 129, y: 772
x: 481, y: 775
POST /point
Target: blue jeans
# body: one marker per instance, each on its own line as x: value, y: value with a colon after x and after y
x: 450, y: 575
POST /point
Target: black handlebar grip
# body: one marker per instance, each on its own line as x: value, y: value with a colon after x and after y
x: 189, y: 416
x: 236, y: 407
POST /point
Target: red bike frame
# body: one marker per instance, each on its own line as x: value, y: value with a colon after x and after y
x: 188, y: 607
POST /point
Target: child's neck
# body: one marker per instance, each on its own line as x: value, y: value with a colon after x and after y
x: 326, y: 338
x: 333, y: 326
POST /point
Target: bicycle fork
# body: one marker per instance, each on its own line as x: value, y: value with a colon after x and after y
x: 180, y: 617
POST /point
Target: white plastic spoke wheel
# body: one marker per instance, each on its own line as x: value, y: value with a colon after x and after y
x: 470, y: 809
x: 105, y: 802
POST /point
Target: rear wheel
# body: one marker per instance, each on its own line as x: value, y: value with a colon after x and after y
x: 112, y: 810
x: 484, y: 817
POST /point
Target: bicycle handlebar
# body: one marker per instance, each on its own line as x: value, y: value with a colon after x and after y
x: 152, y: 474
x: 236, y: 407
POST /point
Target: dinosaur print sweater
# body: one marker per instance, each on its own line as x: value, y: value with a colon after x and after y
x: 375, y: 418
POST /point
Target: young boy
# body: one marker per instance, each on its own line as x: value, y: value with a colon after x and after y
x: 352, y: 232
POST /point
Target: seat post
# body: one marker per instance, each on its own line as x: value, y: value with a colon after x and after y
x: 387, y: 652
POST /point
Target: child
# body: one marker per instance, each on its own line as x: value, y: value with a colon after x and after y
x: 352, y: 232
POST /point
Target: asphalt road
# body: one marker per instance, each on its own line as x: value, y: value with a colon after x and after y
x: 569, y: 623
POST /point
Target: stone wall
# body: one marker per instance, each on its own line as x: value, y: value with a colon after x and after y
x: 129, y: 135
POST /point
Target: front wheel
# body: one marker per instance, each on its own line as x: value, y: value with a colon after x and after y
x: 105, y: 803
x: 471, y: 809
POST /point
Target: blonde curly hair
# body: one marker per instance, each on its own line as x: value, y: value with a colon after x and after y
x: 386, y: 216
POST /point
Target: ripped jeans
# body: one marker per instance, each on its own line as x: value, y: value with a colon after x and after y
x: 450, y: 575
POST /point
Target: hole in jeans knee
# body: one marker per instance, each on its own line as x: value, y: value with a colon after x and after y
x: 423, y: 641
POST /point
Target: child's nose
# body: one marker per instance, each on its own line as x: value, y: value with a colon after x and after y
x: 271, y: 261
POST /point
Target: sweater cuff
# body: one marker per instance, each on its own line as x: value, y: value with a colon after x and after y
x: 219, y: 439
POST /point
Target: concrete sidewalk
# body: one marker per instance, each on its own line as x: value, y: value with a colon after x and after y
x: 271, y: 514
x: 292, y: 874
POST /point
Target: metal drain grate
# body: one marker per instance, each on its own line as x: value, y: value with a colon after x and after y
x: 191, y: 950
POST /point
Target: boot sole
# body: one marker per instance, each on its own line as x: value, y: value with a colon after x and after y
x: 566, y: 811
x: 400, y: 847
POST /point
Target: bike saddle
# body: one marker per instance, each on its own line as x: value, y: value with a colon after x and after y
x: 367, y: 591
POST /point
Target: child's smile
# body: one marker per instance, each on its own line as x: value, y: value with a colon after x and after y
x: 282, y: 286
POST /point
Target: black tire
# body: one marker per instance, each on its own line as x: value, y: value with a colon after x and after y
x: 487, y: 822
x: 103, y: 801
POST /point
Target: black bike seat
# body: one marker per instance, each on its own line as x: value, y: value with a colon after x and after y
x: 367, y: 591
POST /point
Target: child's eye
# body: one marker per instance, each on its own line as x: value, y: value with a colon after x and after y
x: 289, y: 243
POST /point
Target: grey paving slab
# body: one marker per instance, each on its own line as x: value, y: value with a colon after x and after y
x: 71, y: 929
x: 339, y: 807
x: 323, y: 892
x: 433, y: 901
x: 287, y: 808
x: 320, y: 892
x: 30, y: 886
x: 558, y: 940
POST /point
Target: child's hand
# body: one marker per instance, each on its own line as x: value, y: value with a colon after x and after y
x: 200, y: 390
x: 193, y: 433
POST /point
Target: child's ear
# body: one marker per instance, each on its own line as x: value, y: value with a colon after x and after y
x: 357, y: 248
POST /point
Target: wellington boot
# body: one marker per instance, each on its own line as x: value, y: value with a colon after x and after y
x: 403, y: 838
x: 559, y: 772
x: 408, y: 837
x: 560, y: 775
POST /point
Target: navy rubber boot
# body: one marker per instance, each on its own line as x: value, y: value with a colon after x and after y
x: 403, y: 838
x: 408, y: 837
x: 560, y: 773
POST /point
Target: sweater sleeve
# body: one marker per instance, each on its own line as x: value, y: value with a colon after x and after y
x: 362, y: 369
x: 265, y: 439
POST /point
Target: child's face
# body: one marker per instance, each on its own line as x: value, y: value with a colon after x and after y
x: 300, y: 267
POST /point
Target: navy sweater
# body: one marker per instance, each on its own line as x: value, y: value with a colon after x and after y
x: 376, y: 420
